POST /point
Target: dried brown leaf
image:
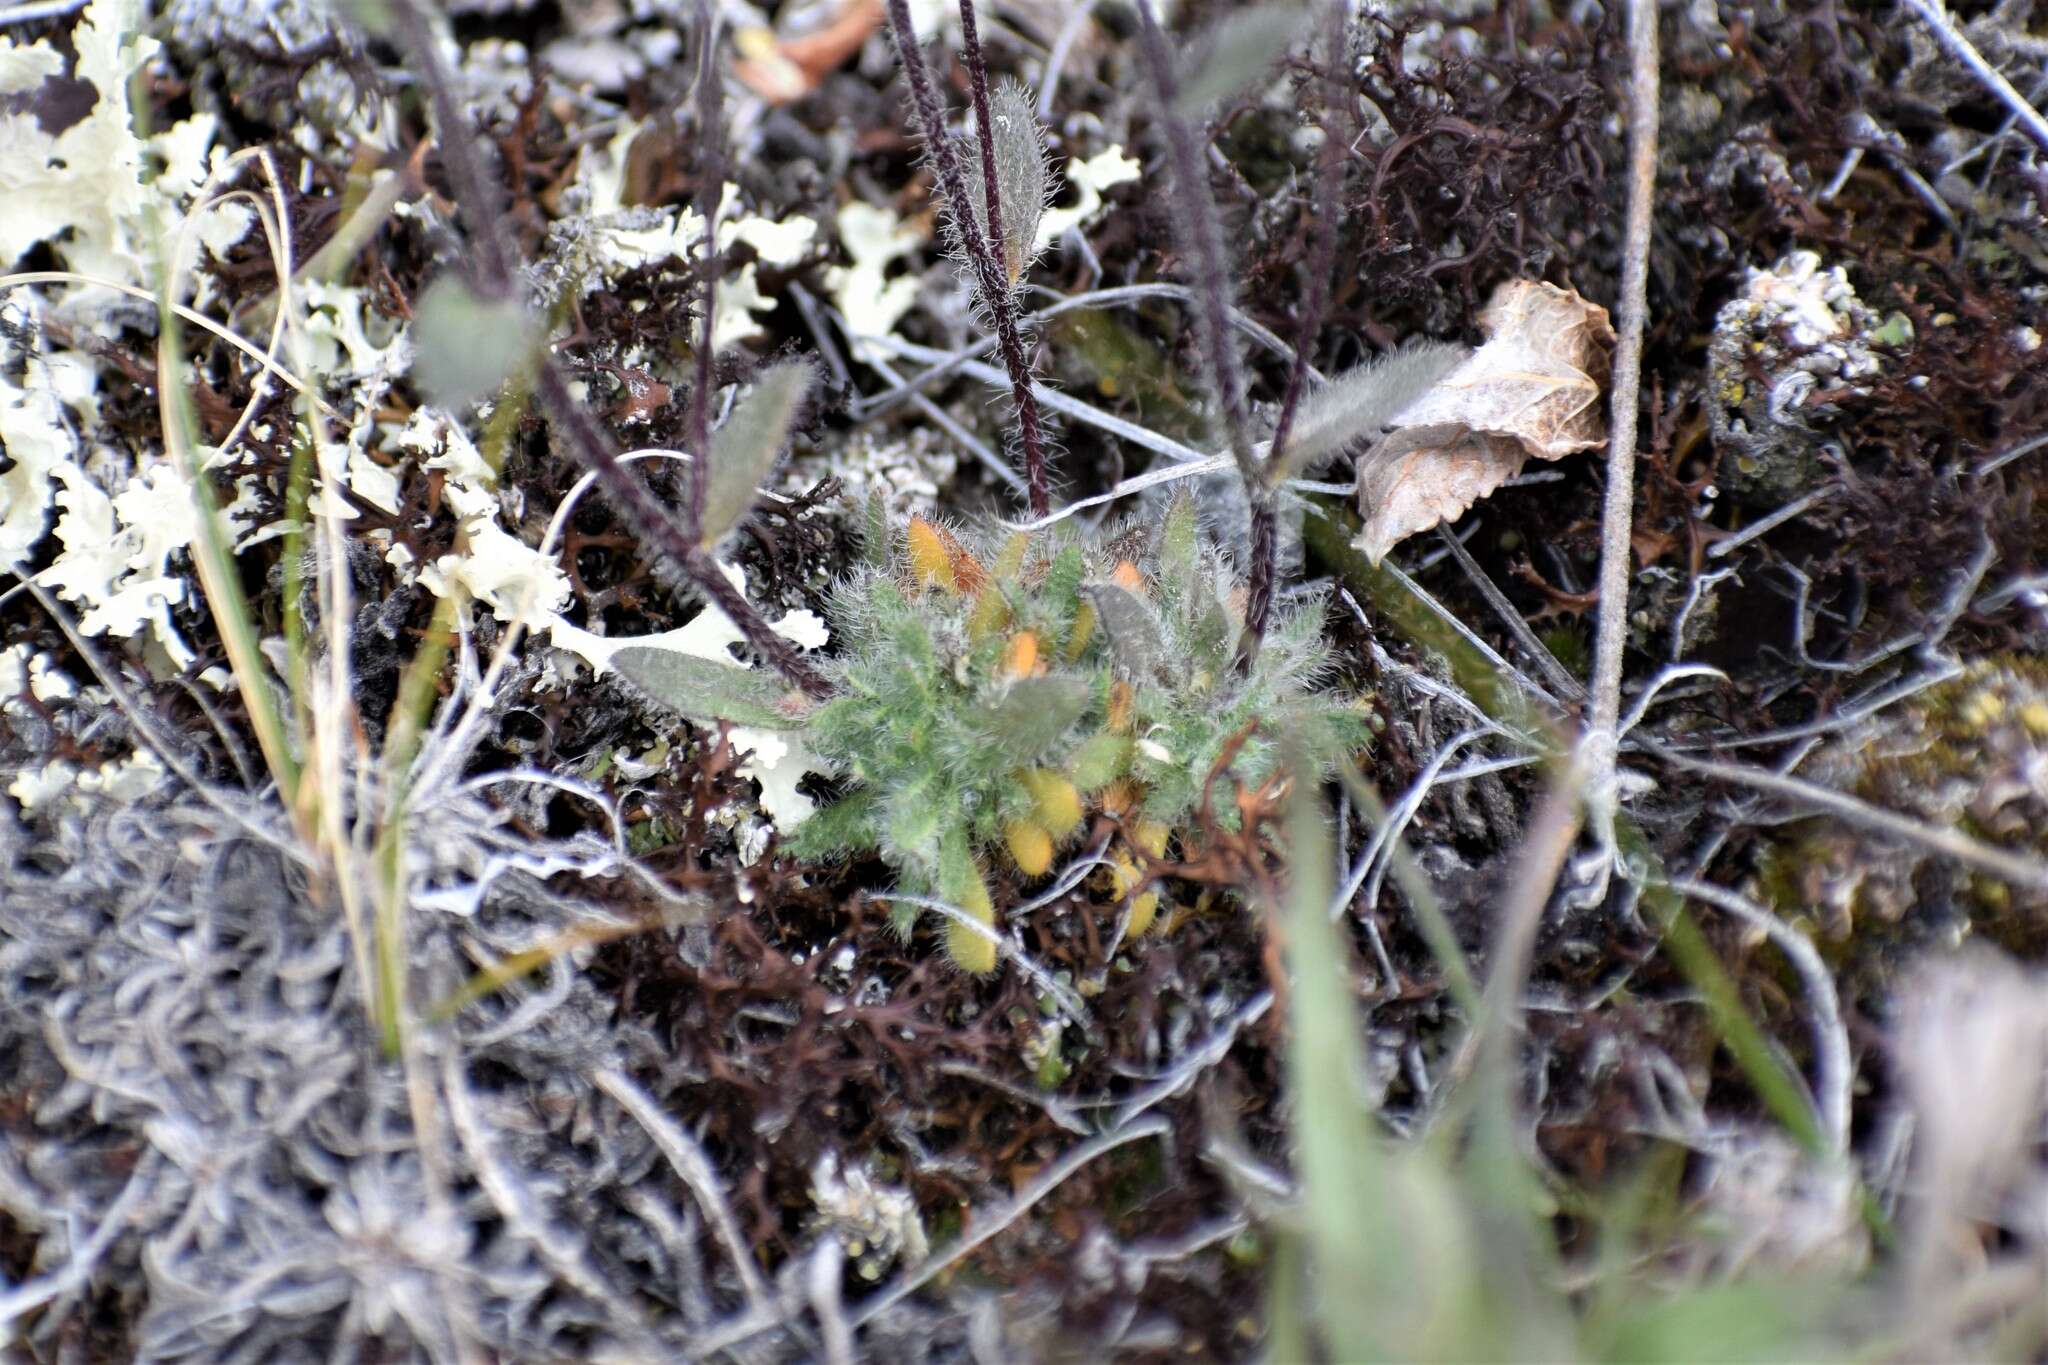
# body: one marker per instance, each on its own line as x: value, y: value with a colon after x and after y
x: 1533, y: 389
x: 782, y: 70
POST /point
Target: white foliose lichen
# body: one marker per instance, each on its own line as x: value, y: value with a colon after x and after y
x: 493, y: 566
x: 1105, y: 170
x: 28, y: 672
x: 85, y: 183
x: 37, y: 437
x: 39, y: 789
x: 605, y: 239
x: 870, y: 302
x: 88, y: 192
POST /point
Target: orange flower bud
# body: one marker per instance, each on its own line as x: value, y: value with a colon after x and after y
x: 1020, y: 656
x: 930, y: 564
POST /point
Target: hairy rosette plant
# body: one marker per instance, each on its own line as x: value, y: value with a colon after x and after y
x: 988, y: 695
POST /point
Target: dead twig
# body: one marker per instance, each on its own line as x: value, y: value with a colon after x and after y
x: 1618, y: 511
x: 1935, y: 15
x: 1833, y: 1066
x: 694, y: 1167
x: 988, y: 1223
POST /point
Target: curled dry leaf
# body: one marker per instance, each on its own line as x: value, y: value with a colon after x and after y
x: 1533, y: 389
x: 781, y: 70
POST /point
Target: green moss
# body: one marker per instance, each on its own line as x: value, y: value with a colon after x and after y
x: 1567, y: 644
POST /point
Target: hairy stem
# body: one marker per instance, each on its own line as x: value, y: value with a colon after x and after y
x: 475, y: 192
x: 982, y: 255
x: 710, y: 186
x: 1321, y: 257
x: 1258, y: 598
x: 493, y: 253
x: 1322, y: 251
x: 652, y: 523
x: 1205, y: 237
x: 1004, y: 306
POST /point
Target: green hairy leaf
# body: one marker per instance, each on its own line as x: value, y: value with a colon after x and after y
x: 1100, y: 760
x: 1359, y: 403
x: 1212, y: 634
x: 846, y: 826
x: 1135, y: 640
x: 745, y: 449
x: 874, y: 530
x: 1035, y: 713
x: 1022, y: 180
x: 1235, y: 52
x: 1180, y: 551
x: 464, y: 345
x: 912, y: 829
x: 704, y: 689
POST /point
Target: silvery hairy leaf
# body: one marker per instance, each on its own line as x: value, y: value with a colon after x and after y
x: 1358, y: 404
x: 702, y: 689
x: 745, y: 449
x: 1022, y: 179
x: 1136, y: 641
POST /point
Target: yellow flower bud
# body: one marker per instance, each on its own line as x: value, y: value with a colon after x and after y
x: 1084, y: 626
x: 991, y: 613
x: 1144, y: 910
x: 1056, y: 800
x: 1123, y: 872
x: 1030, y: 846
x: 973, y: 952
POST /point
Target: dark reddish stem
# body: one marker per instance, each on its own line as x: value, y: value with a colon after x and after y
x: 480, y: 202
x: 983, y: 255
x: 653, y: 525
x: 977, y: 84
x: 710, y: 189
x: 1321, y: 257
x: 1205, y: 235
x: 1322, y: 250
x: 1258, y: 594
